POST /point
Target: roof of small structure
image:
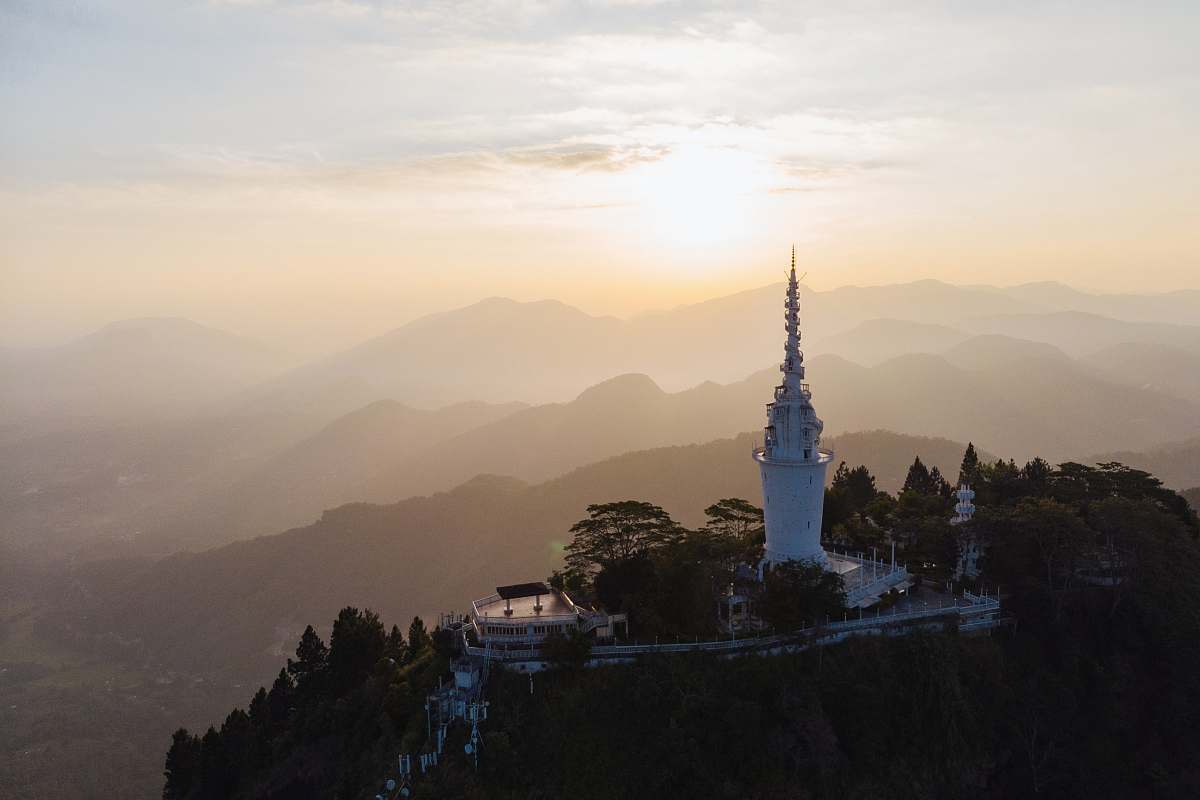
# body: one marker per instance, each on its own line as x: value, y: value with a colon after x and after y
x: 522, y: 590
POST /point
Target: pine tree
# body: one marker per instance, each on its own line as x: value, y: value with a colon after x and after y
x: 918, y: 479
x: 311, y: 658
x: 279, y: 699
x: 182, y: 766
x: 418, y: 638
x: 969, y: 472
x: 355, y: 645
x: 395, y: 647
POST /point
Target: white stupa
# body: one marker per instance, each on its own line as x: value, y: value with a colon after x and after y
x: 791, y: 461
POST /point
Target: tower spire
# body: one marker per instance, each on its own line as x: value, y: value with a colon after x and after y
x: 791, y: 461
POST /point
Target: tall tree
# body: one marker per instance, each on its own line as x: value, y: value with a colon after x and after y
x: 418, y: 637
x: 311, y: 658
x: 395, y: 647
x: 355, y: 645
x: 918, y: 479
x: 859, y: 486
x: 613, y: 532
x: 968, y: 472
x: 182, y: 766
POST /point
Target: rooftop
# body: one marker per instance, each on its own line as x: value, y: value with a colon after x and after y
x: 553, y: 604
x: 522, y: 590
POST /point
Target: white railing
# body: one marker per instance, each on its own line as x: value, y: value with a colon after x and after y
x: 975, y: 605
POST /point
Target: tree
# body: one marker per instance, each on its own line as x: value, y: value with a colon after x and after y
x: 969, y: 472
x: 355, y: 645
x: 859, y: 486
x: 418, y: 637
x: 570, y: 651
x: 279, y: 699
x: 918, y: 479
x: 799, y: 592
x: 616, y: 531
x: 182, y: 766
x: 735, y: 533
x: 938, y: 485
x: 395, y: 647
x: 311, y: 659
x: 735, y: 518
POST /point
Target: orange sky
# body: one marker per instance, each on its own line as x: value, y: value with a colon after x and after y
x: 321, y: 171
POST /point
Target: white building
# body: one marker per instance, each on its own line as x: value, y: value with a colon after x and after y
x: 791, y: 462
x: 969, y: 546
x: 792, y: 465
x: 524, y: 614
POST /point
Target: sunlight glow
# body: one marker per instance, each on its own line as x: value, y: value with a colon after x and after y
x: 700, y: 196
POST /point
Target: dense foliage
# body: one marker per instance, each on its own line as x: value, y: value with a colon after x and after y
x: 335, y: 715
x: 1093, y: 692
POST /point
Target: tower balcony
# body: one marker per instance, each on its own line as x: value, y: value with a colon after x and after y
x: 782, y: 391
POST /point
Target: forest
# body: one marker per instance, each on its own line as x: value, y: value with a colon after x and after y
x: 1089, y: 693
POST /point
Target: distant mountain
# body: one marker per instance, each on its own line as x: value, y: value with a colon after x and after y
x: 1080, y: 333
x: 237, y: 609
x: 500, y: 350
x: 1161, y: 367
x: 165, y: 368
x: 878, y: 340
x: 1177, y: 465
x: 1179, y: 307
x: 1016, y: 398
x: 496, y: 350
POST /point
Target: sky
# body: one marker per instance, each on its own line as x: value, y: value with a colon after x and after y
x: 318, y: 171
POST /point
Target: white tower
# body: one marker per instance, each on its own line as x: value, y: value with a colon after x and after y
x: 964, y: 509
x: 790, y: 461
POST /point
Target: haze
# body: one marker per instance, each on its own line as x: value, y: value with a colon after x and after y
x: 311, y: 173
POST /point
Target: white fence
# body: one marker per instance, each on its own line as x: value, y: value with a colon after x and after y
x: 971, y: 616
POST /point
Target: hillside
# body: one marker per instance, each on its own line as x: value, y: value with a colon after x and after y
x: 424, y: 554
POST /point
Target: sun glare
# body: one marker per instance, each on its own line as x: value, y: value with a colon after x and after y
x: 700, y: 196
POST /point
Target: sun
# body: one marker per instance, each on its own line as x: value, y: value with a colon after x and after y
x: 700, y: 196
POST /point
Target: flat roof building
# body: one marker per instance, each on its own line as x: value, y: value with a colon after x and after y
x: 524, y: 614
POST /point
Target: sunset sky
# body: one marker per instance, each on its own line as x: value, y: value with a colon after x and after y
x: 317, y: 172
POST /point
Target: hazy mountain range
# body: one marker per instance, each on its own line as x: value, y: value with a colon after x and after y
x: 499, y: 350
x: 165, y: 486
x: 478, y: 436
